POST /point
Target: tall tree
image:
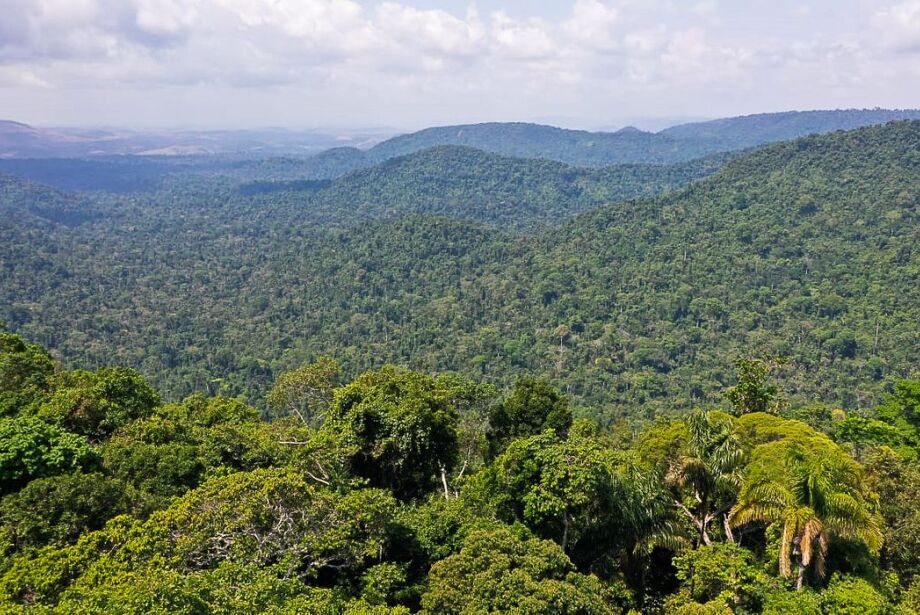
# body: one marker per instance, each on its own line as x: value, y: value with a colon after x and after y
x: 305, y: 392
x: 532, y: 407
x: 814, y: 497
x: 754, y: 391
x: 400, y: 427
x: 707, y: 472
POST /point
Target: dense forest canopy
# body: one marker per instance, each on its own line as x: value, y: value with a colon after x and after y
x: 403, y: 492
x: 803, y: 251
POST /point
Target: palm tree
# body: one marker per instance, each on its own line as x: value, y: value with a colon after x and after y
x: 815, y: 498
x: 707, y: 473
x: 648, y: 518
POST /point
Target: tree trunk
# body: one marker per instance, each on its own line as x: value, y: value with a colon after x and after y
x: 565, y: 530
x: 800, y: 577
x: 704, y: 520
x: 729, y: 535
x: 444, y: 482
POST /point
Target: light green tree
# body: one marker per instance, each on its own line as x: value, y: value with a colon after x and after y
x: 813, y: 496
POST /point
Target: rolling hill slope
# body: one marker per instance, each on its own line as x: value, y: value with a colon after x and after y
x: 804, y: 249
x: 513, y: 193
x: 629, y: 145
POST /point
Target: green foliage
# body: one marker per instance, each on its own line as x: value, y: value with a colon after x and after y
x: 782, y: 602
x: 403, y: 492
x: 706, y: 470
x: 439, y: 526
x: 853, y: 596
x: 24, y: 373
x: 275, y: 518
x: 229, y: 589
x: 200, y: 506
x: 499, y: 571
x: 722, y: 573
x: 532, y: 407
x: 59, y: 509
x: 753, y: 392
x: 402, y: 426
x: 202, y: 411
x: 30, y: 449
x: 382, y: 583
x: 911, y: 601
x: 96, y: 403
x: 512, y: 193
x: 583, y: 495
x: 814, y: 496
x: 801, y: 250
x: 902, y: 409
x: 862, y: 432
x: 897, y: 483
x: 305, y: 392
x: 562, y: 489
x: 172, y: 450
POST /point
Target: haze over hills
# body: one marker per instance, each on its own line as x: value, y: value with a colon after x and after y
x: 348, y: 152
x: 630, y: 145
x: 800, y: 249
x: 19, y: 140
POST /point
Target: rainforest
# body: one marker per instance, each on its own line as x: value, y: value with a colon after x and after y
x: 501, y: 368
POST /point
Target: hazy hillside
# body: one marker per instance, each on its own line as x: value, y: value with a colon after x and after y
x: 536, y: 141
x: 19, y: 140
x: 676, y: 144
x: 750, y: 130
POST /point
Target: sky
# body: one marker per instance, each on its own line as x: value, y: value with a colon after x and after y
x: 413, y: 63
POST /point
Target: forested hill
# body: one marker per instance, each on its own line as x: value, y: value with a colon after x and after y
x: 582, y: 148
x: 537, y: 141
x: 676, y: 144
x: 511, y: 193
x: 750, y: 130
x: 805, y: 250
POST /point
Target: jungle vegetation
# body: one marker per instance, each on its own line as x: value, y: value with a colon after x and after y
x: 405, y: 492
x: 803, y: 253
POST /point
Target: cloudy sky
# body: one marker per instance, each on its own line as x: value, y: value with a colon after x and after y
x: 318, y: 63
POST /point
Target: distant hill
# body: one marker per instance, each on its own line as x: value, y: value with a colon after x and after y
x: 19, y: 140
x: 631, y: 145
x: 536, y: 141
x: 751, y: 130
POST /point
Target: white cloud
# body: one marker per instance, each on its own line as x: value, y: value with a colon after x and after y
x: 15, y: 76
x: 590, y: 55
x: 432, y: 31
x: 593, y: 23
x: 899, y: 25
x: 168, y: 18
x: 525, y: 40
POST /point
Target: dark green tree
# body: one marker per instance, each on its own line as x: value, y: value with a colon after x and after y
x: 532, y: 407
x: 25, y: 370
x: 399, y: 428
